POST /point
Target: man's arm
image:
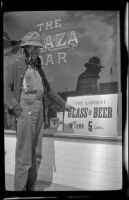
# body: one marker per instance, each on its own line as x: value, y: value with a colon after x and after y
x: 53, y: 96
x: 56, y: 98
x: 9, y: 98
x: 59, y: 101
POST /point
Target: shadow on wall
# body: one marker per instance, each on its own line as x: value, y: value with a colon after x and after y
x: 47, y: 166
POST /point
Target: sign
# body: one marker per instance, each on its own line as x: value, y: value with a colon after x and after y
x: 57, y: 42
x: 93, y: 115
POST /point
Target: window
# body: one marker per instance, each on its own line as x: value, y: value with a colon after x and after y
x: 80, y: 55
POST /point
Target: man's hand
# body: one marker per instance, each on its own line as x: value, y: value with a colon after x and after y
x: 17, y: 110
x: 69, y: 108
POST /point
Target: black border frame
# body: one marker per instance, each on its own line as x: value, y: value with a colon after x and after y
x: 7, y: 6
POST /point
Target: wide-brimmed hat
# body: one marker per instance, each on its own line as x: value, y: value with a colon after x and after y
x: 94, y: 61
x: 32, y: 38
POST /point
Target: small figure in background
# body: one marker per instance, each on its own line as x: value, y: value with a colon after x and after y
x: 87, y: 81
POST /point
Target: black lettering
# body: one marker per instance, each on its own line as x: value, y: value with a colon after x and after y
x: 90, y: 126
x: 100, y: 112
x: 74, y: 113
x: 69, y: 114
x: 95, y: 112
x: 78, y: 112
x: 105, y: 112
x: 81, y: 114
x: 109, y: 112
x: 80, y: 126
x: 85, y: 112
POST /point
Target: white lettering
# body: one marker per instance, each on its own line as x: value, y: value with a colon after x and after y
x: 59, y: 38
x: 40, y: 27
x: 72, y: 38
x: 48, y: 42
x: 62, y: 56
x: 48, y: 24
x: 57, y: 23
x: 49, y: 59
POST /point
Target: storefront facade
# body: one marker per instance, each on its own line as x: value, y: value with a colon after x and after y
x: 82, y: 148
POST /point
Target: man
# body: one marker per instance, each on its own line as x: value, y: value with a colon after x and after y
x: 87, y: 81
x: 26, y: 93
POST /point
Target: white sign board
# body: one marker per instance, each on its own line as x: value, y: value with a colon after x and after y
x: 93, y: 115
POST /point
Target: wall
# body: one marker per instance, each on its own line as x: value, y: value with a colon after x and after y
x: 85, y: 164
x: 10, y: 144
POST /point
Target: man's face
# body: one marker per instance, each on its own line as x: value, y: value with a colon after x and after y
x: 33, y: 52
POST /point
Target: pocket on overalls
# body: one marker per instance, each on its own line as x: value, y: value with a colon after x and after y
x: 21, y: 115
x: 26, y: 105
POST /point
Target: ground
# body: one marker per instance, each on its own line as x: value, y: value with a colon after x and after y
x: 40, y: 186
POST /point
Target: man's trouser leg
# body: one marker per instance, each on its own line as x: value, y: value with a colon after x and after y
x: 39, y: 147
x: 28, y: 129
x: 36, y: 152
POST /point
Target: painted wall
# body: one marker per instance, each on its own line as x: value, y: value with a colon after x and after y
x: 88, y: 165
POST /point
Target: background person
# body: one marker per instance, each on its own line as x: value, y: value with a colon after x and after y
x: 87, y: 81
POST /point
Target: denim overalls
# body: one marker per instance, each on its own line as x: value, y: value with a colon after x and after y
x: 29, y: 132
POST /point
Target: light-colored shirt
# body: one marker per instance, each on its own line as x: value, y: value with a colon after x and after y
x: 32, y: 83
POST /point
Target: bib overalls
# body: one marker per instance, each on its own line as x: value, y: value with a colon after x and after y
x: 29, y: 132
